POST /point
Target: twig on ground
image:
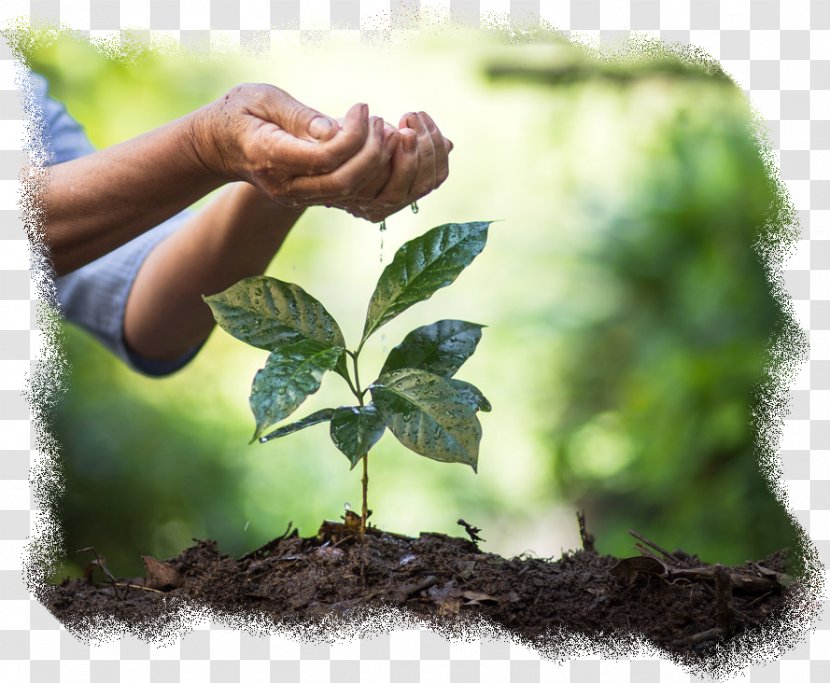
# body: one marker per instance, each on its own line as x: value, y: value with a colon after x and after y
x: 709, y: 634
x: 723, y: 591
x: 135, y: 585
x: 472, y: 531
x: 100, y: 562
x: 587, y: 539
x: 652, y: 544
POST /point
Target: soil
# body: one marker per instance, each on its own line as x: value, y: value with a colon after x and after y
x: 688, y: 609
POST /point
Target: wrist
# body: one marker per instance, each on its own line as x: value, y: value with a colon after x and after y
x: 260, y: 210
x: 207, y: 146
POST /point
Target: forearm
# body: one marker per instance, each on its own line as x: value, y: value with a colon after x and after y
x: 98, y: 202
x: 235, y: 236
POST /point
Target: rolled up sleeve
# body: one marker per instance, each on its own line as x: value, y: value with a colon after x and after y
x: 94, y: 297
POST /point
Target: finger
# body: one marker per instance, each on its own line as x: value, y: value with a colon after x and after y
x: 342, y: 182
x: 305, y: 157
x: 398, y: 190
x: 370, y: 189
x: 294, y: 117
x: 442, y: 167
x: 425, y: 179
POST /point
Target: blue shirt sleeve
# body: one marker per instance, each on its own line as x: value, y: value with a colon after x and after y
x: 94, y: 297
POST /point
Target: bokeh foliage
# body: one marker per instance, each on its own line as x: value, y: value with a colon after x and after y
x: 628, y: 314
x: 666, y: 348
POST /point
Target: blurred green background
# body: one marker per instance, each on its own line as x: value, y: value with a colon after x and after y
x: 627, y: 312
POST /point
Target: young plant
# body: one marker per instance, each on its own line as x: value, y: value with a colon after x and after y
x: 415, y: 395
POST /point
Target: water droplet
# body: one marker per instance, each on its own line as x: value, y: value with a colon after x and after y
x: 383, y: 225
x: 247, y: 524
x: 414, y: 207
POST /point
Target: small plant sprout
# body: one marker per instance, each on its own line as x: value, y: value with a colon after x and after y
x: 415, y: 395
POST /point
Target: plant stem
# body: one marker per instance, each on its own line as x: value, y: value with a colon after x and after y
x: 358, y: 392
x: 349, y: 382
x: 365, y: 482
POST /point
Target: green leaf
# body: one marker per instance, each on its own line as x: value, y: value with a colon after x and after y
x: 312, y: 419
x: 440, y: 348
x: 471, y: 395
x: 422, y: 266
x: 354, y: 430
x: 291, y: 374
x: 428, y: 415
x: 268, y: 313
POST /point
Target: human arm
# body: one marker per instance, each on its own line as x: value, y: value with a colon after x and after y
x: 99, y: 201
x: 236, y: 235
x: 144, y: 299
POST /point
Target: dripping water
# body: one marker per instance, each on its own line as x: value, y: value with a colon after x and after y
x: 414, y: 207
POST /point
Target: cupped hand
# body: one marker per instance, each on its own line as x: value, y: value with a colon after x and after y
x: 261, y: 134
x: 297, y: 156
x: 419, y: 163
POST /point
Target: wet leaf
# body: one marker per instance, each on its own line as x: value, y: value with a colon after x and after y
x: 354, y: 430
x: 312, y: 419
x: 290, y: 375
x: 421, y: 267
x: 440, y: 348
x: 471, y: 395
x: 428, y: 415
x: 268, y: 313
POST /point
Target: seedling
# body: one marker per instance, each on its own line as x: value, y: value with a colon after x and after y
x: 415, y: 395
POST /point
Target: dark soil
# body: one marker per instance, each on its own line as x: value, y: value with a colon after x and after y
x: 688, y: 609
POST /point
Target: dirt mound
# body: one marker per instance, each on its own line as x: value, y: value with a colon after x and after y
x: 683, y: 606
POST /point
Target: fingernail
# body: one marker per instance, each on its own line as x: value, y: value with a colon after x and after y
x: 364, y: 110
x: 320, y: 128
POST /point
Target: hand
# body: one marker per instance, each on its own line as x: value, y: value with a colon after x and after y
x: 259, y: 133
x: 419, y: 164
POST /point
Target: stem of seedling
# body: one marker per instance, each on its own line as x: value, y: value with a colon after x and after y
x: 359, y: 393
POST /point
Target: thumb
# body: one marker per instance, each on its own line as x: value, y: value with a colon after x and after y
x: 321, y: 127
x: 304, y: 122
